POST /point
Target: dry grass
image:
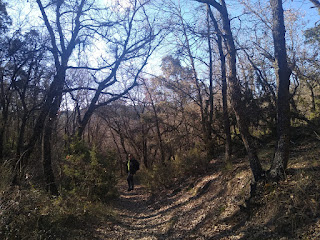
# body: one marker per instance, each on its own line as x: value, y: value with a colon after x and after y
x: 213, y: 206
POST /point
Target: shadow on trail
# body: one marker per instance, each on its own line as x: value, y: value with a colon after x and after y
x: 175, y: 215
x: 139, y: 218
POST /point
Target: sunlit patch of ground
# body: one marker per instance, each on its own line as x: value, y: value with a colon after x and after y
x: 214, y: 207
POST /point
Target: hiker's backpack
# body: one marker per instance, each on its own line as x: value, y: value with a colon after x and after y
x: 135, y: 164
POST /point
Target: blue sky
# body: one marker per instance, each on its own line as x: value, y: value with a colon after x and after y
x: 311, y: 15
x: 306, y: 7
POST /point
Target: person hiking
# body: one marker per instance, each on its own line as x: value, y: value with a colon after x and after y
x: 132, y: 168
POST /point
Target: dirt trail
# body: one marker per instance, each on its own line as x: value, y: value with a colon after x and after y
x: 177, y: 215
x: 214, y: 206
x: 138, y: 220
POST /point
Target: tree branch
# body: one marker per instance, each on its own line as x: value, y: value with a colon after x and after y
x: 55, y: 49
x: 213, y: 3
x: 316, y: 3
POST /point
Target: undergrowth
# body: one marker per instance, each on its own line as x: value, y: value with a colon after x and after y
x: 86, y: 186
x: 89, y: 173
x: 165, y: 175
x: 290, y: 208
x: 33, y: 214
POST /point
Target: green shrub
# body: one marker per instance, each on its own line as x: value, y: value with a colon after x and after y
x: 89, y: 173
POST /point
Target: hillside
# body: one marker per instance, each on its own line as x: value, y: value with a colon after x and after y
x: 214, y: 206
x: 210, y: 96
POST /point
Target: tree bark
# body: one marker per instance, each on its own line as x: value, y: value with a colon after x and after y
x: 235, y: 90
x: 224, y: 91
x: 209, y: 119
x: 4, y: 106
x: 312, y: 96
x: 21, y: 135
x: 3, y: 126
x: 145, y: 147
x: 46, y: 150
x: 47, y: 136
x: 281, y: 156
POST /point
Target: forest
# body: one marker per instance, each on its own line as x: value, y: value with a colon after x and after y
x: 218, y: 101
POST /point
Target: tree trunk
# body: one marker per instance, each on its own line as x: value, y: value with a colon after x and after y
x: 313, y: 102
x: 47, y: 158
x: 210, y: 112
x: 119, y: 152
x: 204, y: 122
x: 235, y: 90
x: 53, y: 97
x: 158, y: 130
x: 2, y: 128
x: 4, y: 115
x: 21, y: 135
x: 145, y: 147
x: 281, y: 156
x: 46, y: 146
x: 54, y: 92
x: 226, y: 121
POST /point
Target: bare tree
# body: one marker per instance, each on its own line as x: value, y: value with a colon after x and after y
x: 235, y: 88
x: 226, y: 121
x: 62, y: 45
x: 189, y: 40
x: 5, y: 88
x: 198, y: 85
x: 77, y: 24
x: 283, y: 72
x: 134, y: 49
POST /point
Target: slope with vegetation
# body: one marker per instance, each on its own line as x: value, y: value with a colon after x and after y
x: 218, y: 204
x: 214, y: 203
x: 219, y: 101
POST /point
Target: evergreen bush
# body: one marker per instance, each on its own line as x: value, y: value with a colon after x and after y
x: 89, y: 173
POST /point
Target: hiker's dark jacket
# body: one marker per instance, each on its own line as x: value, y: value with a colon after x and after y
x: 132, y: 166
